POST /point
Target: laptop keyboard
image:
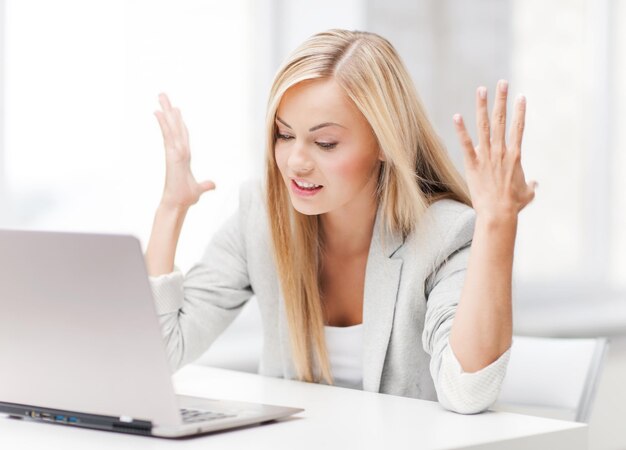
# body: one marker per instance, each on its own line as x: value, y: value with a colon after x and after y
x: 196, y: 415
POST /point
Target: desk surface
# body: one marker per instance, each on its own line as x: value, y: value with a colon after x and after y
x: 333, y: 418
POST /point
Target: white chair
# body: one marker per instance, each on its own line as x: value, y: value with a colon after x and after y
x: 553, y: 377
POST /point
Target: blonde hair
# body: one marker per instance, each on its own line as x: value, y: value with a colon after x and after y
x: 416, y: 172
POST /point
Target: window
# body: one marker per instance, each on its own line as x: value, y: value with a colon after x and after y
x: 569, y: 60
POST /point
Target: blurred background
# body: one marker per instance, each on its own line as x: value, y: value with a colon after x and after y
x: 80, y: 148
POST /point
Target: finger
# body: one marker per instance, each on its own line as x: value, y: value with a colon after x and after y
x: 178, y: 115
x: 517, y: 127
x: 207, y: 186
x: 165, y: 102
x: 482, y: 120
x: 466, y: 141
x: 180, y: 124
x: 165, y: 128
x: 498, y: 116
x: 531, y: 188
x: 168, y: 112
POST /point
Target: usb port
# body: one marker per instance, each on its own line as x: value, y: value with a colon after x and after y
x: 59, y: 418
x: 72, y: 419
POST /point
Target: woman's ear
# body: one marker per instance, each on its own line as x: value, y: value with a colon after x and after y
x: 381, y: 156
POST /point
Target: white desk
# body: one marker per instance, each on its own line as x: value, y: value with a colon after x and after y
x: 334, y: 418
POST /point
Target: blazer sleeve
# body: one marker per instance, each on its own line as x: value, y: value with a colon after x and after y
x: 458, y: 391
x: 194, y: 309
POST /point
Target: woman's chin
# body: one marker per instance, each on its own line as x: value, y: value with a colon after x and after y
x: 306, y: 209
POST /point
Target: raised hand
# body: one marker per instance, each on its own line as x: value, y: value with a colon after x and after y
x: 181, y: 188
x: 493, y: 168
x: 483, y: 323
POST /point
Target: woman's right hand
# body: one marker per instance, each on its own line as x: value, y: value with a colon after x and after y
x: 181, y: 188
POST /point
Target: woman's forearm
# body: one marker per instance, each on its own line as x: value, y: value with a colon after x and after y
x: 483, y: 325
x: 166, y: 228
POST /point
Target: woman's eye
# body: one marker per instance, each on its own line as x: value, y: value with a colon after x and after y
x: 326, y: 145
x: 322, y: 145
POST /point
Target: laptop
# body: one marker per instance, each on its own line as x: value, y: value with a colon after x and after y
x: 81, y: 344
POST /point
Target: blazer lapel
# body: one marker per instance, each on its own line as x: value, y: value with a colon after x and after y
x: 382, y: 278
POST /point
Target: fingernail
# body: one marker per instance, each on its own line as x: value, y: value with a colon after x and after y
x: 482, y: 92
x: 521, y: 98
x: 504, y: 85
x: 457, y: 118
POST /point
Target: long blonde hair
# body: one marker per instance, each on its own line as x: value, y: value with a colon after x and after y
x: 416, y: 171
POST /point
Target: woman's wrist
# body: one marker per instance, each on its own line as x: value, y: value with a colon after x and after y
x: 166, y: 228
x: 505, y: 219
x: 172, y: 209
x: 497, y: 233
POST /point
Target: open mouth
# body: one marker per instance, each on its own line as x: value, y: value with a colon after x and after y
x: 304, y: 188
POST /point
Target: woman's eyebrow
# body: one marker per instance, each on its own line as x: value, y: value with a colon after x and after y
x: 316, y: 127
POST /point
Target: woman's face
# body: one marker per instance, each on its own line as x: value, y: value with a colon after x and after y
x: 325, y: 148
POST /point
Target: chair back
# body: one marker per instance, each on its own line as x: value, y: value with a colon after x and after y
x: 553, y: 377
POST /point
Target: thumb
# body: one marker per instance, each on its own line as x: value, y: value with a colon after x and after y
x: 531, y: 187
x: 207, y: 186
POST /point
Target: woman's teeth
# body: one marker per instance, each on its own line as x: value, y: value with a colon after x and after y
x: 306, y: 185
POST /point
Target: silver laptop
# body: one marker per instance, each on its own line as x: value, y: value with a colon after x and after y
x: 80, y: 342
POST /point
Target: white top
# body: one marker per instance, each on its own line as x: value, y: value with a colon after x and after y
x: 345, y: 354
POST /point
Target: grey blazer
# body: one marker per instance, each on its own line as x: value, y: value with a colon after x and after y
x: 412, y: 288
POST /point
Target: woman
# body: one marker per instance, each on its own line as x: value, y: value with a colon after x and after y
x: 370, y: 266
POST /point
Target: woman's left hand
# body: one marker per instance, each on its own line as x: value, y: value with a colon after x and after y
x: 493, y: 168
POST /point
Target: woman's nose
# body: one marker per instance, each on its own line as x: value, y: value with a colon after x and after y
x: 299, y: 160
